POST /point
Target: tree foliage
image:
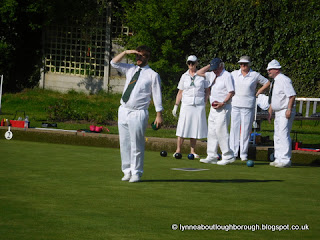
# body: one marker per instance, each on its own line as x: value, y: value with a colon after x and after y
x: 286, y: 30
x: 21, y: 25
x: 166, y: 27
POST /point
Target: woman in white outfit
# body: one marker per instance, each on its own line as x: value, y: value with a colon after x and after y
x: 243, y: 105
x: 193, y: 93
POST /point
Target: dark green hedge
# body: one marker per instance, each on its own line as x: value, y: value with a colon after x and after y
x: 286, y: 30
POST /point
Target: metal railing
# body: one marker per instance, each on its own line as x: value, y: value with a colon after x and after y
x: 308, y: 103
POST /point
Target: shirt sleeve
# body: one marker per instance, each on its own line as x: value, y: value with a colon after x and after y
x: 262, y: 80
x: 230, y: 83
x: 210, y: 76
x: 206, y: 83
x: 288, y: 87
x: 156, y: 93
x: 181, y: 85
x: 121, y: 67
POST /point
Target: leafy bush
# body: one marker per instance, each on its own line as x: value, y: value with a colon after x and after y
x: 286, y: 30
x: 63, y: 110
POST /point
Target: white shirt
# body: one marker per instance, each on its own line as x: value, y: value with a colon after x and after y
x: 222, y: 86
x: 245, y: 88
x: 148, y: 84
x: 193, y: 90
x: 282, y: 90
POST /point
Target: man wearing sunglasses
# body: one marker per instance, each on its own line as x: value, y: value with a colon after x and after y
x: 141, y: 83
x: 282, y: 102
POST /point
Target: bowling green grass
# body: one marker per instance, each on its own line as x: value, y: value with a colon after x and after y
x: 64, y: 192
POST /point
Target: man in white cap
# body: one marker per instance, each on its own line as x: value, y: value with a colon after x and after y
x: 222, y: 90
x: 282, y: 97
x: 193, y: 93
x: 141, y: 83
x: 243, y: 105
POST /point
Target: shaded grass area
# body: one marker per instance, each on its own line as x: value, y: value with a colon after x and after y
x: 78, y: 109
x: 54, y: 191
x: 39, y: 105
x: 152, y: 144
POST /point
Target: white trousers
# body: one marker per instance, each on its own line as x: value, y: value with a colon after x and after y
x: 281, y: 137
x: 241, y: 118
x: 218, y: 135
x: 132, y: 127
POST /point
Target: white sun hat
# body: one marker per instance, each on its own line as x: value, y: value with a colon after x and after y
x: 244, y: 59
x: 274, y: 64
x: 192, y: 58
x: 262, y: 101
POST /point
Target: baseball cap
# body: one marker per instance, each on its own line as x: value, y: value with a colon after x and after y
x: 192, y: 58
x: 214, y: 64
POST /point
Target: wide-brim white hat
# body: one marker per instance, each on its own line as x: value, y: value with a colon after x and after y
x: 274, y: 64
x: 244, y: 59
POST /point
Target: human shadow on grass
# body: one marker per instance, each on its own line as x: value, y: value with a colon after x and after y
x: 213, y: 180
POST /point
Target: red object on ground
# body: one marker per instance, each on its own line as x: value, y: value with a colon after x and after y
x: 297, y: 145
x: 98, y: 129
x: 16, y: 123
x: 309, y: 149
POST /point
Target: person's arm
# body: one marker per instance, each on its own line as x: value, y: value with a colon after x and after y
x: 207, y: 95
x: 263, y: 88
x: 178, y: 100
x: 290, y: 105
x: 159, y: 120
x: 179, y: 97
x: 270, y: 114
x: 119, y: 57
x: 201, y: 72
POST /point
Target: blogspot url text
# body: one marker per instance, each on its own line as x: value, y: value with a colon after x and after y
x: 236, y: 227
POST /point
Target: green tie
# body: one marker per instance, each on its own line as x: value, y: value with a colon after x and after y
x: 192, y: 80
x: 126, y: 95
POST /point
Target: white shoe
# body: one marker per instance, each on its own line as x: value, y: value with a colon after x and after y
x: 126, y: 177
x: 244, y: 159
x: 134, y: 178
x: 196, y: 156
x: 274, y: 163
x: 225, y: 162
x: 283, y: 165
x: 209, y: 160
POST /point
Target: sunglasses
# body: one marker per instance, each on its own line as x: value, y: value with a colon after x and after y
x: 141, y: 56
x: 191, y: 63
